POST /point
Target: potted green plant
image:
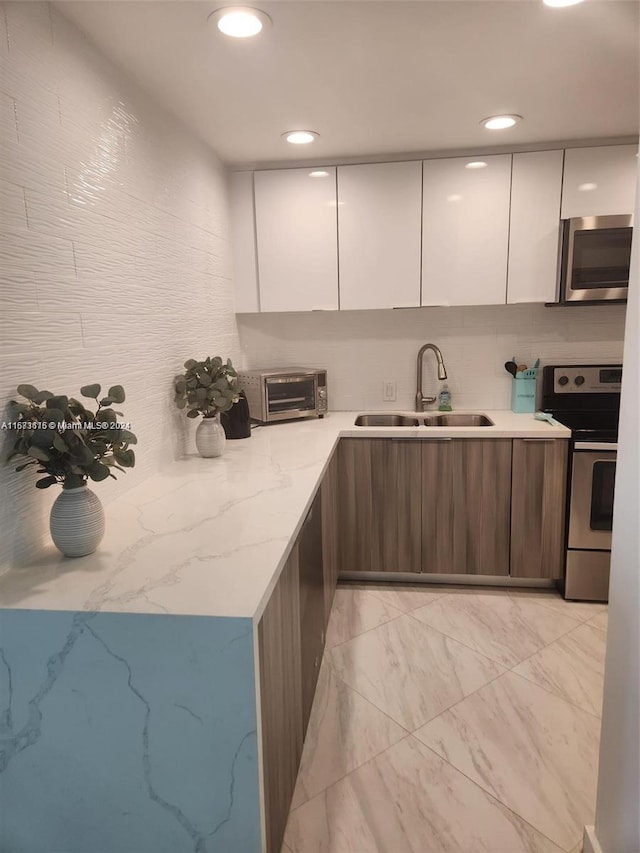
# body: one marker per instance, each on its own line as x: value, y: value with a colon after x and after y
x: 70, y: 445
x: 207, y: 388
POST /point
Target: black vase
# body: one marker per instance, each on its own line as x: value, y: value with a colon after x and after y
x: 237, y: 421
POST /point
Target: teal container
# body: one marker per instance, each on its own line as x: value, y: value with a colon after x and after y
x: 523, y: 394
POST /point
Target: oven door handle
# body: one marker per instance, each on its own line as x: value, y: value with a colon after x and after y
x: 611, y: 446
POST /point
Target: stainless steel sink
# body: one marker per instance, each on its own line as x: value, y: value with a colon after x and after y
x: 387, y: 419
x: 457, y: 419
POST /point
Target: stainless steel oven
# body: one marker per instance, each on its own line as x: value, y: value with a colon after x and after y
x: 596, y: 252
x: 586, y: 398
x: 590, y: 520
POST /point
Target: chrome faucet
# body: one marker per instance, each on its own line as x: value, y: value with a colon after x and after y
x: 421, y: 400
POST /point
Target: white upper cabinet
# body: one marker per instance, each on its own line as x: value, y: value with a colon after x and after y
x: 536, y: 181
x: 297, y: 240
x: 599, y: 181
x: 379, y: 233
x: 465, y: 230
x: 243, y: 242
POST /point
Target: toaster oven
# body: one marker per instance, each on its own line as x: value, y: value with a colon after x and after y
x: 284, y: 393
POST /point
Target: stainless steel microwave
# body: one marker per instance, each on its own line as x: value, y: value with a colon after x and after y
x: 284, y: 393
x: 595, y: 258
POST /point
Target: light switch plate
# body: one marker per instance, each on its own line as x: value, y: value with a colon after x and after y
x: 388, y: 391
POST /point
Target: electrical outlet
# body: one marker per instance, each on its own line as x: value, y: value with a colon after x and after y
x: 388, y: 391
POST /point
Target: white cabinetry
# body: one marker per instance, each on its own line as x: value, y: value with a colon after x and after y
x: 536, y: 181
x: 465, y: 231
x: 599, y: 181
x: 243, y: 242
x: 379, y: 232
x: 297, y: 240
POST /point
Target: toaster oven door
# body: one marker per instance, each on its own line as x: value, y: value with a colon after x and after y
x: 289, y: 397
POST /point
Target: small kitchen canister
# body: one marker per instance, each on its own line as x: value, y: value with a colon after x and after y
x: 523, y: 390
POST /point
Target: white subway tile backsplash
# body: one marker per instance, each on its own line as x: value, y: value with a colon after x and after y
x: 113, y: 249
x: 361, y: 348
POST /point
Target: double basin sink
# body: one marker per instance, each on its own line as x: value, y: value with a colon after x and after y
x: 447, y: 419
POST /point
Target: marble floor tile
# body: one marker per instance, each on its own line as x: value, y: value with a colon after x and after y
x: 530, y: 749
x: 601, y: 620
x: 356, y: 610
x: 578, y: 848
x: 406, y: 597
x: 408, y: 800
x: 571, y: 667
x: 344, y: 731
x: 410, y: 671
x: 581, y: 610
x: 502, y: 627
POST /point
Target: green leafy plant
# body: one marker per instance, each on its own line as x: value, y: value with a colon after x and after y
x: 69, y: 442
x: 206, y: 387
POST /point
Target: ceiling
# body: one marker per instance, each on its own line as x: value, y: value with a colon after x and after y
x: 380, y: 77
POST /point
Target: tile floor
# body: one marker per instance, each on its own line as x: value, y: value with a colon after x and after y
x: 452, y: 720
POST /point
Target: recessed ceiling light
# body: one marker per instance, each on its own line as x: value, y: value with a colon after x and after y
x: 585, y: 188
x: 558, y: 3
x: 454, y: 197
x: 300, y: 137
x: 318, y: 173
x: 500, y: 122
x: 239, y: 22
x: 476, y: 164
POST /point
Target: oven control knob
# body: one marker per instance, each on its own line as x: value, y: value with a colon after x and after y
x: 579, y: 380
x: 563, y: 380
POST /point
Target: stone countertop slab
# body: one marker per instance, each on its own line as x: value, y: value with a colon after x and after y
x: 208, y: 537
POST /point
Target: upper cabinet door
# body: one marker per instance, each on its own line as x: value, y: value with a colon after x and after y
x: 243, y: 242
x: 297, y: 240
x: 536, y: 181
x: 379, y: 231
x: 599, y: 181
x: 465, y: 231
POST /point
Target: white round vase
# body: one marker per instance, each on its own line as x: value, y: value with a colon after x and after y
x: 210, y: 437
x: 77, y: 522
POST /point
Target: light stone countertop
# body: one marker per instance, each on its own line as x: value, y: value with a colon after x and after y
x: 208, y: 537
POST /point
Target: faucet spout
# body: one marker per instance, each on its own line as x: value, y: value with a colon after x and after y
x: 421, y: 400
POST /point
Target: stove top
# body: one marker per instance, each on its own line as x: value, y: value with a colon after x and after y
x: 585, y: 398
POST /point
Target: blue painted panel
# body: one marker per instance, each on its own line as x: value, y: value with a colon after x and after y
x: 127, y: 733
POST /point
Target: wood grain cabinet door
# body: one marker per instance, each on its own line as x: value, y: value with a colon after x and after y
x: 280, y: 700
x: 538, y: 507
x: 310, y: 562
x: 379, y: 499
x: 330, y: 524
x: 466, y: 493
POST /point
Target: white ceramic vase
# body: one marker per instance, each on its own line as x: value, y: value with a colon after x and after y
x: 210, y: 437
x: 77, y: 522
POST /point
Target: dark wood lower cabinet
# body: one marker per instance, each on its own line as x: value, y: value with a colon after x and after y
x: 538, y: 507
x: 379, y: 500
x: 312, y: 612
x: 466, y: 499
x: 291, y: 634
x: 454, y: 506
x: 281, y: 700
x: 329, y: 491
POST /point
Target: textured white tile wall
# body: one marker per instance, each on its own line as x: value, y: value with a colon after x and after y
x: 363, y: 349
x: 114, y: 255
